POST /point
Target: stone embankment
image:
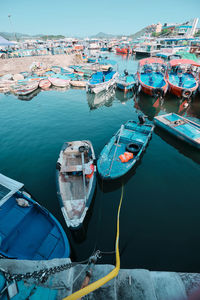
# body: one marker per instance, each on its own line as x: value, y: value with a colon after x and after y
x: 22, y: 64
x: 136, y: 284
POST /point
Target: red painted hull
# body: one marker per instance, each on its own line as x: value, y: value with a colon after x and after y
x: 123, y: 50
x: 149, y: 90
x: 178, y: 91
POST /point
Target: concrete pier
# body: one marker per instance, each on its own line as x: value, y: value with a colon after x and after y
x: 131, y: 284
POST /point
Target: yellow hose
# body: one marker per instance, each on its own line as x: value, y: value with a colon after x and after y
x: 97, y: 284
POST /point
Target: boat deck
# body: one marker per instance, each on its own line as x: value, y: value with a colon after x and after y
x: 187, y: 80
x: 154, y: 79
x: 27, y: 232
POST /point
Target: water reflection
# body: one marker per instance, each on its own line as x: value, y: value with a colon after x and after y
x: 123, y: 97
x: 60, y: 89
x: 29, y: 96
x: 152, y: 107
x: 148, y: 105
x: 181, y: 146
x: 104, y: 98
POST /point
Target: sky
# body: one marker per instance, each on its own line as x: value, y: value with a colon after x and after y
x: 88, y: 17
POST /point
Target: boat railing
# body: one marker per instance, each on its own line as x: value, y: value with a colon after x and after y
x: 84, y: 183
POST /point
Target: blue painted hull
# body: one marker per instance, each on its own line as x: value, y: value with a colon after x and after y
x: 125, y: 88
x: 182, y: 128
x: 126, y: 83
x: 109, y: 165
x: 30, y: 232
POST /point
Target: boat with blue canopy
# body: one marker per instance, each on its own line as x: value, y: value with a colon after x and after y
x: 126, y: 82
x: 124, y: 149
x: 182, y: 77
x: 101, y: 81
x: 28, y: 230
x: 152, y: 76
x: 182, y: 128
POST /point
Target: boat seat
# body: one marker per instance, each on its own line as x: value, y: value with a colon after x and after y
x: 48, y: 245
x: 72, y: 168
x: 16, y: 215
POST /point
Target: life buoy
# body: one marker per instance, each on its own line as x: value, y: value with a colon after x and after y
x: 187, y: 93
x: 133, y: 148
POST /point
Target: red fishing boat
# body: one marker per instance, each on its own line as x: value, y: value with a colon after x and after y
x: 183, y: 77
x: 152, y: 76
x: 123, y: 50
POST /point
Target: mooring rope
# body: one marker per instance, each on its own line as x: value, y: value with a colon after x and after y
x: 97, y: 284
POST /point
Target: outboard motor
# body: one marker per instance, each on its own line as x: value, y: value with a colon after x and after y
x: 141, y: 119
x: 125, y: 72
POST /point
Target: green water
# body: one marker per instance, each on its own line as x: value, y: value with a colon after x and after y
x: 159, y: 221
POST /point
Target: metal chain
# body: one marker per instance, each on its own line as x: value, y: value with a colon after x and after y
x: 43, y: 274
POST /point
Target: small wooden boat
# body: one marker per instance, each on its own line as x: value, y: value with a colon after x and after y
x: 152, y: 76
x: 124, y: 149
x: 44, y: 84
x: 59, y: 82
x: 27, y: 230
x: 181, y: 127
x: 78, y: 83
x: 126, y: 82
x: 24, y: 88
x: 101, y: 81
x: 76, y: 180
x: 183, y: 81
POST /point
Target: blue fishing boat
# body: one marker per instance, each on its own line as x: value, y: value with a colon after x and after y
x: 126, y: 82
x: 92, y: 59
x: 28, y: 230
x: 76, y: 181
x: 182, y: 128
x: 104, y: 49
x: 152, y: 76
x: 101, y: 81
x: 182, y: 77
x: 124, y: 149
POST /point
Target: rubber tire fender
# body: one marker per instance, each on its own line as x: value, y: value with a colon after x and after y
x: 133, y: 148
x: 187, y: 93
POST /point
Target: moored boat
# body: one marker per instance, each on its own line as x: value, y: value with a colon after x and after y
x: 101, y: 81
x: 123, y: 50
x: 182, y: 128
x: 76, y: 180
x: 126, y: 82
x: 24, y: 88
x: 182, y: 78
x: 124, y: 149
x: 60, y: 82
x: 27, y: 230
x: 44, y: 84
x: 78, y: 83
x: 152, y: 76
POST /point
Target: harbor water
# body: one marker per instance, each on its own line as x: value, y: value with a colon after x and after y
x: 159, y: 220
